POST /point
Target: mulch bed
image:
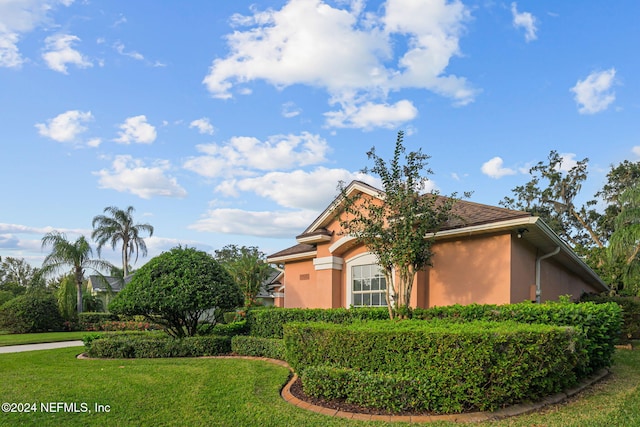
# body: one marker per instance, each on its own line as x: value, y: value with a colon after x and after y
x: 340, y: 404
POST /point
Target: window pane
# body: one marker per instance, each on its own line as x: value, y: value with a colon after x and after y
x: 375, y: 299
x: 357, y: 299
x: 366, y: 299
x: 357, y: 272
x: 383, y: 283
x: 375, y: 284
x: 366, y: 284
x: 357, y: 284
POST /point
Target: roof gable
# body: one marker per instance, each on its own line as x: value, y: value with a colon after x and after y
x: 464, y: 213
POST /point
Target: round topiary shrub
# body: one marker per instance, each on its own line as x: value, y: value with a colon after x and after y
x: 31, y: 313
x: 177, y: 290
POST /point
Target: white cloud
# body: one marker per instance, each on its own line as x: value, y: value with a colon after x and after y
x: 636, y: 150
x: 203, y: 125
x: 347, y: 52
x: 298, y: 189
x: 119, y: 47
x: 133, y: 176
x: 18, y: 17
x: 290, y: 110
x: 494, y: 169
x: 65, y: 127
x: 594, y: 93
x: 242, y: 152
x: 568, y: 162
x: 370, y: 115
x: 59, y: 53
x: 255, y: 223
x: 526, y: 21
x: 136, y: 129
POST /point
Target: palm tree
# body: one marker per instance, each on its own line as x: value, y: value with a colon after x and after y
x: 76, y: 254
x: 118, y: 226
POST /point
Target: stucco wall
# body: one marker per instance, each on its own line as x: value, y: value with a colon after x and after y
x: 470, y: 270
x: 556, y: 281
x: 523, y: 271
x: 301, y: 286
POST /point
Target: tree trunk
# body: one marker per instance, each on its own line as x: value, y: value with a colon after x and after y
x: 79, y: 277
x: 593, y: 235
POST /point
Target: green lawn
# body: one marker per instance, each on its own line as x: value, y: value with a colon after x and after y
x: 16, y: 339
x: 235, y: 392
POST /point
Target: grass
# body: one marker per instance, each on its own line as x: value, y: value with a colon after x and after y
x: 231, y: 392
x: 43, y: 337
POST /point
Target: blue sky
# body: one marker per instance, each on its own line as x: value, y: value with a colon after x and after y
x: 232, y: 121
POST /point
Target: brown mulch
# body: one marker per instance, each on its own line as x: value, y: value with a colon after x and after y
x: 340, y: 404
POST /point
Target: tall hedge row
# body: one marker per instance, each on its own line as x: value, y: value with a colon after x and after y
x: 267, y: 323
x: 437, y: 366
x: 598, y: 324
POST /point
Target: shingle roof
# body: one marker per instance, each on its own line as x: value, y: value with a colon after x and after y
x: 471, y: 213
x: 99, y: 285
x: 294, y: 250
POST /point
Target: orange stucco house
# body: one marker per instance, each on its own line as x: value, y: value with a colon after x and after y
x: 493, y: 256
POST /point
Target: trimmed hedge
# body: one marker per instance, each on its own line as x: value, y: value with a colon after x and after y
x: 432, y: 366
x: 31, y: 312
x: 630, y: 314
x: 245, y: 345
x: 599, y: 324
x: 267, y: 322
x: 156, y: 346
x: 224, y: 329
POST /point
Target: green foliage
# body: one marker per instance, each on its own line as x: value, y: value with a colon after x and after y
x: 432, y: 366
x: 268, y: 322
x: 154, y: 346
x: 630, y: 329
x: 6, y: 296
x: 19, y: 272
x: 245, y: 345
x: 32, y: 312
x: 395, y: 230
x: 232, y: 329
x: 118, y: 226
x: 625, y: 240
x: 92, y: 321
x: 75, y: 255
x: 177, y: 290
x: 598, y: 324
x: 247, y: 266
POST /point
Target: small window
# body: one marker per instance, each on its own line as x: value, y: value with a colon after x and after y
x: 368, y: 286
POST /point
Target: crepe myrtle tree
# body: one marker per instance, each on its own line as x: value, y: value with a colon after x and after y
x: 397, y: 226
x: 178, y: 289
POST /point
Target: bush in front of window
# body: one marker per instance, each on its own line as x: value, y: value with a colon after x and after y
x: 437, y: 366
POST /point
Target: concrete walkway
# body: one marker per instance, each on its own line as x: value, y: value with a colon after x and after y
x: 43, y: 346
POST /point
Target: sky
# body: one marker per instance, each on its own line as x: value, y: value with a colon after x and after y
x: 232, y: 122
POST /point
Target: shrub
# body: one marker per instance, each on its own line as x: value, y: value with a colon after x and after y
x: 33, y: 312
x: 598, y: 324
x: 224, y: 329
x: 630, y: 329
x: 268, y: 322
x: 245, y: 345
x: 177, y: 290
x: 92, y: 321
x: 443, y: 366
x: 156, y: 346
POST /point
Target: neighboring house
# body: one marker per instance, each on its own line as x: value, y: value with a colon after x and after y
x: 491, y: 256
x: 106, y: 287
x: 271, y: 292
